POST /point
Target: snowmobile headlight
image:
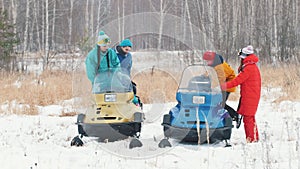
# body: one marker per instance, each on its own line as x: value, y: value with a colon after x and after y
x: 110, y: 98
x: 198, y: 99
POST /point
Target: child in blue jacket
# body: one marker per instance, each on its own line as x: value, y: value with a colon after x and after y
x: 124, y: 55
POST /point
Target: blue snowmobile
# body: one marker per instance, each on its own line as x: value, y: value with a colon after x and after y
x: 199, y: 115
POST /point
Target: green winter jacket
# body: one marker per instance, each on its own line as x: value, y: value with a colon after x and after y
x: 91, y: 62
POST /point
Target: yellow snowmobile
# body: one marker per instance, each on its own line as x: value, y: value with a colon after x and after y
x: 114, y: 116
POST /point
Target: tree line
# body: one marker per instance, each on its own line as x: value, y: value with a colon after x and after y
x: 51, y: 26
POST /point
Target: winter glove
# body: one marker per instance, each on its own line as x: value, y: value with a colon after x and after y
x: 223, y: 86
x: 135, y: 100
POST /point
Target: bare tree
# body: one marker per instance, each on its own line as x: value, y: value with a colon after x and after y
x: 14, y: 14
x: 163, y: 8
x: 31, y: 33
x: 53, y: 24
x: 190, y: 23
x: 2, y: 4
x: 70, y: 22
x: 46, y: 57
x: 272, y: 27
x: 92, y: 18
x: 123, y: 20
x: 119, y: 21
x: 86, y: 16
x: 36, y: 9
x: 162, y: 16
x: 26, y: 25
x: 101, y: 14
x: 43, y: 26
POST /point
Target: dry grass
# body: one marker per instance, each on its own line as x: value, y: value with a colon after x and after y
x: 49, y: 88
x: 286, y: 77
x: 64, y: 114
x: 156, y: 86
x: 153, y: 86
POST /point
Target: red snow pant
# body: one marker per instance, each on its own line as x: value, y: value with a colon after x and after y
x: 250, y: 128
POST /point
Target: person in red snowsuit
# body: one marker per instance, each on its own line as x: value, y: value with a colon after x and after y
x: 249, y: 80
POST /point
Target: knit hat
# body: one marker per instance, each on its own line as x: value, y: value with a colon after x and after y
x: 126, y: 42
x: 246, y: 51
x: 209, y: 56
x: 103, y: 39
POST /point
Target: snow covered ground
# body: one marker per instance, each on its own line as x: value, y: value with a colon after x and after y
x: 43, y: 142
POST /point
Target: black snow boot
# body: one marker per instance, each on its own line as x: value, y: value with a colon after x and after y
x: 239, y: 121
x: 233, y: 114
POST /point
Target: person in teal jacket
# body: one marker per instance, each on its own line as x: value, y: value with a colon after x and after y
x: 101, y: 57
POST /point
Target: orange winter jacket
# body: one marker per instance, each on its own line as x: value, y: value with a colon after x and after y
x: 225, y: 73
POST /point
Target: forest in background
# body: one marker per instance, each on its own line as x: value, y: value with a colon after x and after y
x: 49, y: 27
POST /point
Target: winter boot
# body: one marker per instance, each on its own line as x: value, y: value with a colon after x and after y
x: 238, y: 121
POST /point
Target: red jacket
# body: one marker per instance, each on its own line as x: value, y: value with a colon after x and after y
x: 250, y: 81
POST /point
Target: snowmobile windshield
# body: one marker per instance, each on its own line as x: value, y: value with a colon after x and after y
x: 112, y: 81
x: 199, y: 78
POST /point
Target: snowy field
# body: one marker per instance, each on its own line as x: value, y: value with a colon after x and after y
x: 43, y: 142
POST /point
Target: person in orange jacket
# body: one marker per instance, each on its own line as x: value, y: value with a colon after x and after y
x: 225, y: 73
x: 249, y: 80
